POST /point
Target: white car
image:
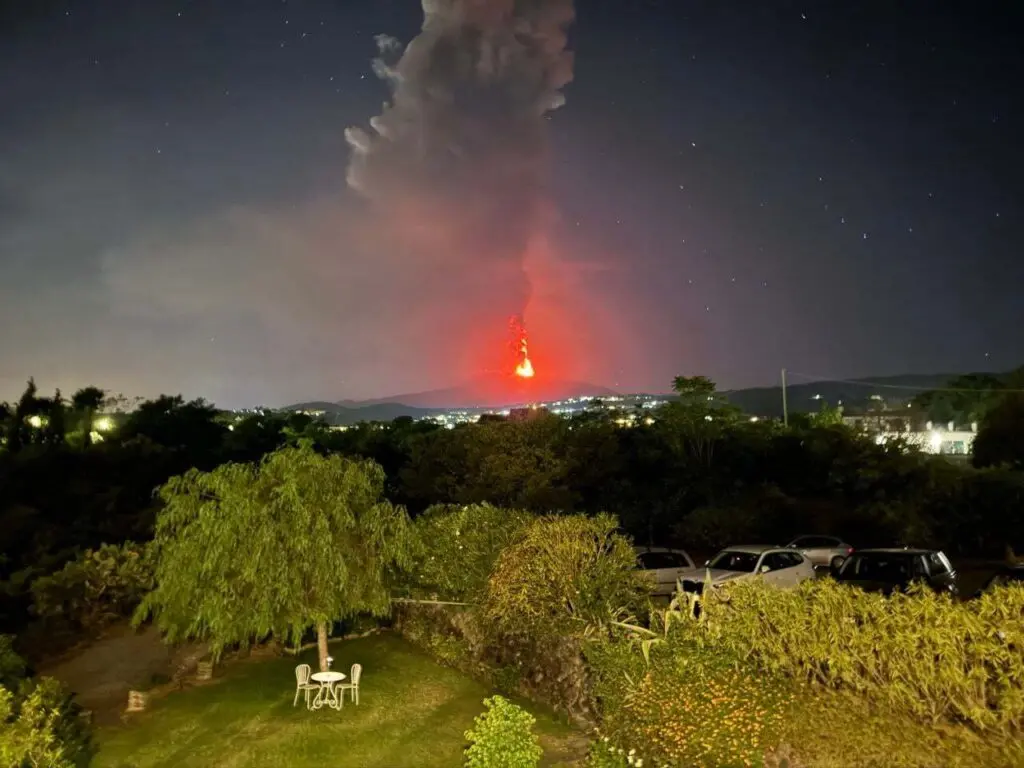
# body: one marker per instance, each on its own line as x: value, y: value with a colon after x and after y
x: 780, y: 566
x: 666, y: 567
x: 822, y: 551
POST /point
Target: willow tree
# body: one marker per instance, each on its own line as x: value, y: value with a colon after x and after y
x: 295, y: 542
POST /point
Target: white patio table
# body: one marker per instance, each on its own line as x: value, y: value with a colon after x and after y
x: 327, y: 696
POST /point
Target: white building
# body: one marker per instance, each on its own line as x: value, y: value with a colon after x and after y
x: 936, y: 438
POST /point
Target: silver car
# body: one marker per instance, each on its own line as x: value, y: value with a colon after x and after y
x: 822, y: 551
x: 665, y: 567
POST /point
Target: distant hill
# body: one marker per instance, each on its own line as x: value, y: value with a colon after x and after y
x: 341, y: 415
x: 504, y: 391
x: 807, y: 397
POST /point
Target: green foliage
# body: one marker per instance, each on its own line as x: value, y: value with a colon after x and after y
x: 963, y: 400
x: 299, y: 540
x: 39, y: 724
x: 98, y: 587
x: 827, y: 729
x: 12, y: 666
x: 506, y: 679
x: 697, y: 387
x: 518, y: 464
x: 503, y: 737
x: 920, y: 654
x: 604, y: 754
x: 1000, y: 439
x: 564, y: 576
x: 456, y: 546
x: 696, y: 706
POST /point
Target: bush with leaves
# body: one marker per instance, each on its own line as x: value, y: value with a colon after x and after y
x: 503, y: 737
x: 693, y: 706
x: 456, y: 546
x: 922, y: 654
x: 39, y: 723
x: 98, y: 587
x: 12, y: 666
x: 603, y: 753
x: 564, y: 576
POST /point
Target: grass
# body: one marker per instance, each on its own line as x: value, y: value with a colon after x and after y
x: 412, y: 712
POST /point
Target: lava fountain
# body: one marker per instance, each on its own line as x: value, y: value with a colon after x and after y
x: 524, y: 368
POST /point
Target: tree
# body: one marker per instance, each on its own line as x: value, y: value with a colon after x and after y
x: 19, y: 433
x: 564, y: 576
x: 456, y: 546
x: 1000, y: 439
x: 297, y: 541
x: 54, y: 429
x: 693, y: 387
x: 174, y: 423
x: 964, y: 399
x: 84, y: 404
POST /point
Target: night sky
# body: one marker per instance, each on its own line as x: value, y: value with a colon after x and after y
x: 729, y: 189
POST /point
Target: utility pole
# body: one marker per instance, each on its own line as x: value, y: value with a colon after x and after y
x: 785, y: 407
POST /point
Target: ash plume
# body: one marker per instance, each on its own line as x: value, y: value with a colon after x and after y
x: 458, y: 159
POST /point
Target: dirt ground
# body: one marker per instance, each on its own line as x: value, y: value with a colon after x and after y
x: 102, y: 673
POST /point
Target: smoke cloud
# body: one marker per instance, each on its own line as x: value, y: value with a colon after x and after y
x: 401, y: 280
x: 458, y: 159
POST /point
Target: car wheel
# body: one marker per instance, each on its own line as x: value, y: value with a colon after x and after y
x: 836, y: 563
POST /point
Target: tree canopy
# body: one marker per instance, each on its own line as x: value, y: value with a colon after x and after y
x: 299, y: 540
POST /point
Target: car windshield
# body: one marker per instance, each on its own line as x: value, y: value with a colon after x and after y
x: 877, y: 566
x: 744, y: 562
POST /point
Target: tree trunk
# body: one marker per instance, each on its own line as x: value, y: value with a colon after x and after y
x: 321, y: 644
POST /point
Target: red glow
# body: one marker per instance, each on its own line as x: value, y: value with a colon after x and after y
x: 524, y: 368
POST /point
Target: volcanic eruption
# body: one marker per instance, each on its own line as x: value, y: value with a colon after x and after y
x: 521, y: 347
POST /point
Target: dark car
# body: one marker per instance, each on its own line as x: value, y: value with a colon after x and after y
x: 1008, y: 574
x: 894, y: 570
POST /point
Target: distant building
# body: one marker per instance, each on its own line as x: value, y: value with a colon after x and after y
x: 945, y: 439
x: 525, y: 414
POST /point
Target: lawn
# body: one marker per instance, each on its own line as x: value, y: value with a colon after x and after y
x: 412, y: 712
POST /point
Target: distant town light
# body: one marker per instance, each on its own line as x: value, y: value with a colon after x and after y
x: 103, y: 425
x: 35, y: 421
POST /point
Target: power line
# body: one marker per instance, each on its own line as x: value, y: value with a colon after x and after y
x: 812, y: 378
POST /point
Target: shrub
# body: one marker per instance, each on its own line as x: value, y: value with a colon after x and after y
x: 836, y: 729
x: 604, y: 754
x: 12, y: 666
x: 503, y: 737
x: 564, y: 576
x: 456, y: 546
x: 921, y: 654
x: 98, y: 587
x: 699, y: 708
x: 39, y: 723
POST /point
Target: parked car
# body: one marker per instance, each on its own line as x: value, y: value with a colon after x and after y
x: 1007, y: 574
x: 893, y: 570
x: 776, y: 565
x: 822, y: 551
x: 665, y: 566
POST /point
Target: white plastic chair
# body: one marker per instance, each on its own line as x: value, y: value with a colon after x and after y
x: 302, y: 684
x: 353, y: 684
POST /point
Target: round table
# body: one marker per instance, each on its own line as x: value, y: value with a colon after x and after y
x: 327, y: 696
